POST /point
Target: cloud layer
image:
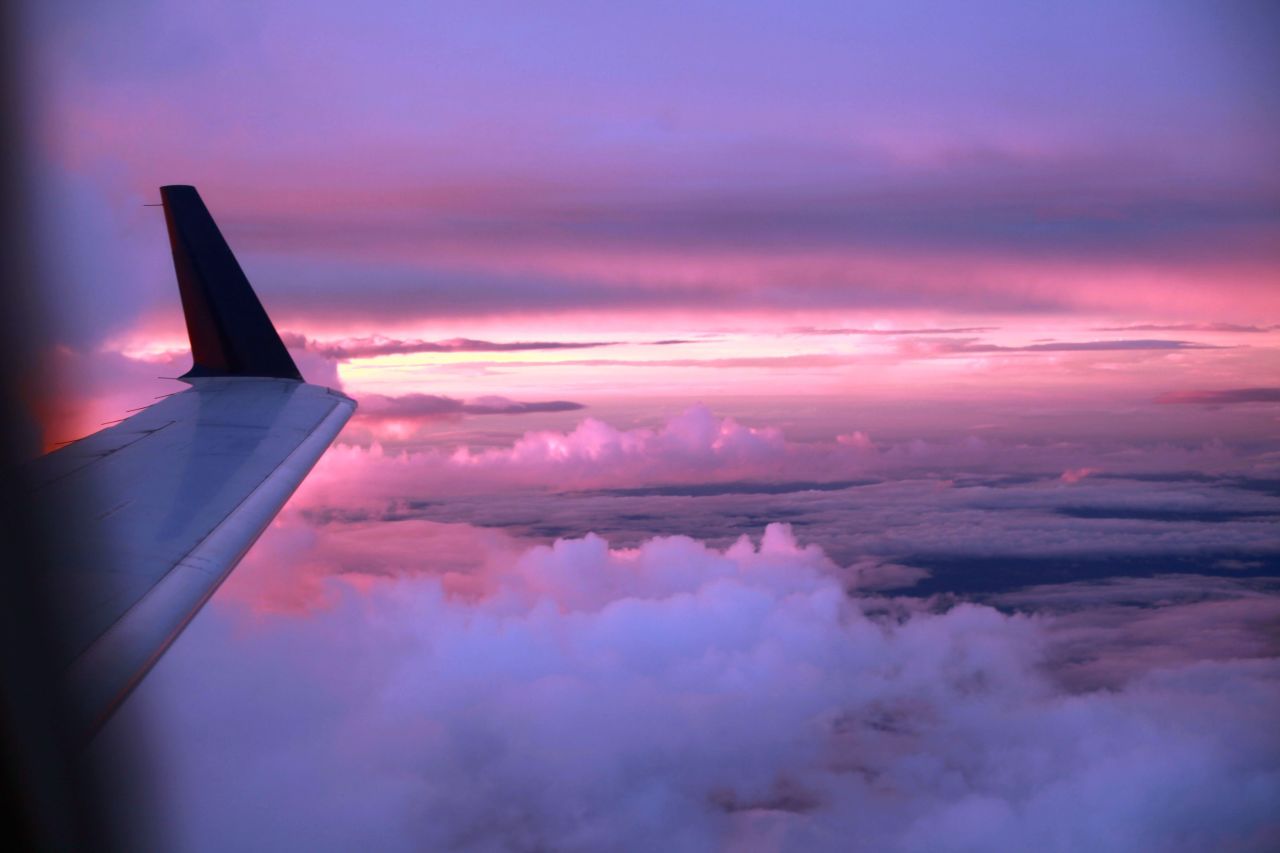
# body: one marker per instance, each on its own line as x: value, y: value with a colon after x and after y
x: 467, y: 164
x: 697, y: 446
x: 1230, y: 396
x: 427, y: 651
x: 678, y: 697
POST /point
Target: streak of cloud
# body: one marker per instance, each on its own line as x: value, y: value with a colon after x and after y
x: 346, y: 350
x: 811, y: 330
x: 1234, y: 328
x: 927, y: 348
x: 1223, y: 397
x: 417, y: 406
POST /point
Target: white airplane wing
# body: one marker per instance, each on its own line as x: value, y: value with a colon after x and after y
x: 160, y: 507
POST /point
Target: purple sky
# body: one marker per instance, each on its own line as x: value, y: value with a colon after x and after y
x: 966, y: 316
x: 468, y: 159
x: 1054, y: 176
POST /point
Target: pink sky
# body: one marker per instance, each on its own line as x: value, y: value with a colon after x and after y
x: 427, y: 177
x: 796, y: 305
x: 821, y: 219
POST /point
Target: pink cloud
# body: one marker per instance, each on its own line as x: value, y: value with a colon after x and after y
x: 372, y: 347
x: 675, y: 694
x: 697, y: 446
x: 691, y: 443
x: 1231, y: 396
x: 691, y: 446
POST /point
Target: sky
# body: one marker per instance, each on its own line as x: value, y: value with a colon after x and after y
x: 966, y: 317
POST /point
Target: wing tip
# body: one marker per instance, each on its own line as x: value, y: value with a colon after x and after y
x: 230, y: 332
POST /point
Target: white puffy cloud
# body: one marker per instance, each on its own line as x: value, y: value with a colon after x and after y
x: 679, y: 697
x: 697, y: 446
x: 689, y: 445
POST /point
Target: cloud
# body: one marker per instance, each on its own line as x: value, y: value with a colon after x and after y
x: 661, y: 196
x: 810, y: 330
x: 1075, y: 475
x: 97, y: 388
x: 1105, y: 633
x: 699, y: 448
x: 406, y: 420
x: 914, y: 348
x: 1108, y: 346
x: 380, y: 407
x: 680, y: 697
x: 1237, y: 328
x: 909, y: 348
x: 970, y: 515
x: 345, y: 350
x: 689, y: 445
x: 1226, y: 397
x: 801, y: 361
x: 987, y: 536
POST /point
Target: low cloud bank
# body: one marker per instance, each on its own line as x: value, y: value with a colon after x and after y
x: 697, y: 446
x: 679, y: 697
x: 1226, y: 397
x: 690, y: 446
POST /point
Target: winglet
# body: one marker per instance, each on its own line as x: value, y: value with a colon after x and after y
x: 230, y: 332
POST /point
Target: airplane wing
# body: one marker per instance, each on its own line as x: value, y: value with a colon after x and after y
x: 158, y: 509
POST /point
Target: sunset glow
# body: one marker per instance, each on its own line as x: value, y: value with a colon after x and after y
x: 779, y: 423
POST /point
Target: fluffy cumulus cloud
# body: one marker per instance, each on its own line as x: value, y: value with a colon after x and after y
x: 699, y: 448
x: 693, y: 445
x: 679, y: 697
x: 427, y: 650
x: 973, y: 517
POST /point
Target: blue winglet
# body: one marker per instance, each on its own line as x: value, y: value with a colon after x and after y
x: 231, y: 334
